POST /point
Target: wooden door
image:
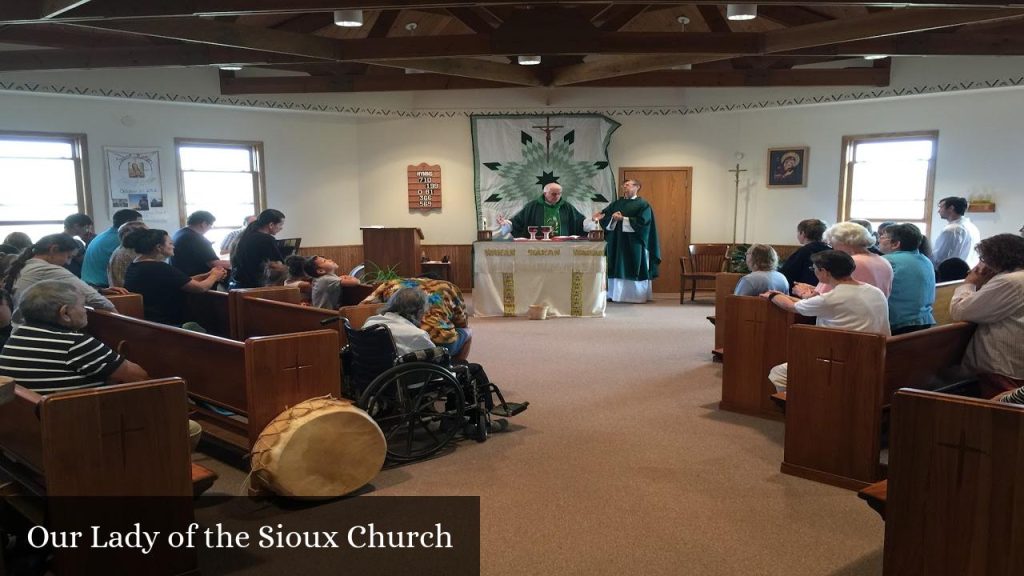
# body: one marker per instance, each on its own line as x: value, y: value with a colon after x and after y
x: 668, y: 191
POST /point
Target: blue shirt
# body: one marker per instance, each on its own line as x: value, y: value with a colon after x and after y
x: 97, y: 256
x: 757, y: 283
x: 913, y: 289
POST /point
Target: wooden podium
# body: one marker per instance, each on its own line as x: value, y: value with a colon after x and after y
x: 393, y: 247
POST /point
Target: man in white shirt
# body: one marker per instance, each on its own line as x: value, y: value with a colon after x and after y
x: 959, y: 237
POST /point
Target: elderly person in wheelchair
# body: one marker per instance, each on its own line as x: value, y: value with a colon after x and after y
x: 418, y: 396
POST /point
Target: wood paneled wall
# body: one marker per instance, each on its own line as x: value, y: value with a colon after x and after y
x: 460, y: 255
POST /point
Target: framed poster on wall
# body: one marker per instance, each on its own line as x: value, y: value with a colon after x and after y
x: 133, y: 180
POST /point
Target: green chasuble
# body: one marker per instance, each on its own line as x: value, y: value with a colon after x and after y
x: 632, y: 255
x: 564, y: 219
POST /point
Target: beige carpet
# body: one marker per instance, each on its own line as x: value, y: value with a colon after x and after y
x: 624, y: 465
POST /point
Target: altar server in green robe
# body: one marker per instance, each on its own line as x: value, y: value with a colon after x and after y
x: 632, y: 246
x: 548, y: 210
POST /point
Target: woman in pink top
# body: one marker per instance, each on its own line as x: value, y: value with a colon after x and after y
x: 855, y: 240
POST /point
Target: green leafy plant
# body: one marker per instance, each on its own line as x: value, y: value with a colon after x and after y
x: 738, y: 259
x: 377, y: 274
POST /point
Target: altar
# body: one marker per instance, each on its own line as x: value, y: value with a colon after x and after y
x: 569, y: 277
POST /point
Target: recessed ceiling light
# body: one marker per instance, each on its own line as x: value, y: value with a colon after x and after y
x: 529, y: 60
x: 741, y: 11
x: 876, y: 56
x: 348, y: 18
x: 230, y: 67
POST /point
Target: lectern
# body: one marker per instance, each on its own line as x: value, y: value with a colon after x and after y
x: 393, y: 247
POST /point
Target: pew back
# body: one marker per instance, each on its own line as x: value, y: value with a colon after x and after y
x: 955, y: 504
x: 257, y: 379
x: 755, y: 340
x: 839, y: 384
x: 943, y: 296
x: 725, y: 284
x: 210, y: 310
x: 128, y: 304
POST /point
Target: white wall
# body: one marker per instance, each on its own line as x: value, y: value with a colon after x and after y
x: 311, y: 166
x: 331, y: 173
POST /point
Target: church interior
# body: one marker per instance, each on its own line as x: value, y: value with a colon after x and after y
x: 633, y: 457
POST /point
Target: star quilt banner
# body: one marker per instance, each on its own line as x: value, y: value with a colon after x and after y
x: 514, y: 157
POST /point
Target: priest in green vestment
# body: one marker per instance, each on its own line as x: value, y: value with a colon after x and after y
x: 548, y: 210
x: 632, y: 246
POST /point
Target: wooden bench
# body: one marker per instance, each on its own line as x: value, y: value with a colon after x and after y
x: 839, y: 385
x: 126, y: 440
x: 256, y: 379
x: 756, y: 333
x: 725, y: 285
x: 943, y: 296
x: 128, y: 304
x: 954, y: 501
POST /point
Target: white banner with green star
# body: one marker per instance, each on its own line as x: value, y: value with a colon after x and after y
x: 515, y: 156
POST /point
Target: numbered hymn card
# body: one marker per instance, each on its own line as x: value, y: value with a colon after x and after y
x: 424, y: 186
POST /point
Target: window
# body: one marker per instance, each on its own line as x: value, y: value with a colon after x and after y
x: 889, y: 177
x: 225, y: 178
x: 42, y: 181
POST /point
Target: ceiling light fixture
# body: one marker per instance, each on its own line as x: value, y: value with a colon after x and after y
x: 529, y: 60
x: 230, y: 67
x: 876, y: 56
x: 348, y: 18
x: 741, y: 11
x: 683, y: 21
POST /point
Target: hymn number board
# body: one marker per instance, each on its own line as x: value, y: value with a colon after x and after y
x: 424, y: 186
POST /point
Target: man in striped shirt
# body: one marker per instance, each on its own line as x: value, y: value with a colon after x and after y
x: 48, y: 353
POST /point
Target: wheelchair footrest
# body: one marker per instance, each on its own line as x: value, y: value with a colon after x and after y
x: 510, y: 409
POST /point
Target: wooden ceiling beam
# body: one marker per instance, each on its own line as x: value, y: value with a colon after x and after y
x: 306, y: 23
x: 472, y: 20
x: 749, y: 78
x: 616, y: 17
x: 382, y: 25
x: 152, y: 56
x: 791, y: 15
x: 465, y: 45
x: 367, y: 83
x: 26, y: 11
x: 923, y: 44
x: 469, y: 68
x: 713, y: 18
x: 820, y: 34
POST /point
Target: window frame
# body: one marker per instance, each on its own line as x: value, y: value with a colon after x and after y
x: 80, y: 158
x: 846, y: 161
x: 257, y: 162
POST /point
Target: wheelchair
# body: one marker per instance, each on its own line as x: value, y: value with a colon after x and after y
x: 421, y: 401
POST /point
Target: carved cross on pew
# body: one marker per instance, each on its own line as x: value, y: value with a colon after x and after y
x: 297, y: 367
x: 961, y: 447
x: 832, y: 363
x: 121, y: 433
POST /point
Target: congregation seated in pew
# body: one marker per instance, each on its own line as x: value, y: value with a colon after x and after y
x: 797, y: 268
x: 853, y: 239
x: 161, y: 285
x: 123, y: 255
x: 762, y: 261
x: 992, y: 296
x: 850, y: 305
x: 326, y: 283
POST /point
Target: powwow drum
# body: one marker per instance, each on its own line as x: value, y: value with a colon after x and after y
x: 320, y: 448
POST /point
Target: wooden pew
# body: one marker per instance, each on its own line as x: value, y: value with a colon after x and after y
x: 756, y: 333
x: 943, y: 296
x: 126, y: 440
x: 841, y: 382
x: 954, y: 502
x: 256, y: 379
x: 725, y: 285
x: 128, y: 304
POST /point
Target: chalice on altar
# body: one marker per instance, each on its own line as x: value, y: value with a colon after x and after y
x: 546, y: 230
x: 533, y: 232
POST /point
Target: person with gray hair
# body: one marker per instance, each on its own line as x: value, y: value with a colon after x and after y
x: 49, y: 353
x: 402, y: 314
x: 854, y: 239
x: 762, y: 261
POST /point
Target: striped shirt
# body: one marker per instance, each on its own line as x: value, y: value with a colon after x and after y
x: 52, y: 359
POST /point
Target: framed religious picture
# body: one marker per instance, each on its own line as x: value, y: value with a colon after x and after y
x: 787, y: 167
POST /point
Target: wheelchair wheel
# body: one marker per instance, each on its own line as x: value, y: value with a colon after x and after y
x: 419, y: 406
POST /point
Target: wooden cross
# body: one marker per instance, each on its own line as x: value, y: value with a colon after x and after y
x: 832, y: 363
x: 736, y: 203
x: 961, y: 447
x: 548, y: 129
x: 122, y: 432
x: 297, y: 367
